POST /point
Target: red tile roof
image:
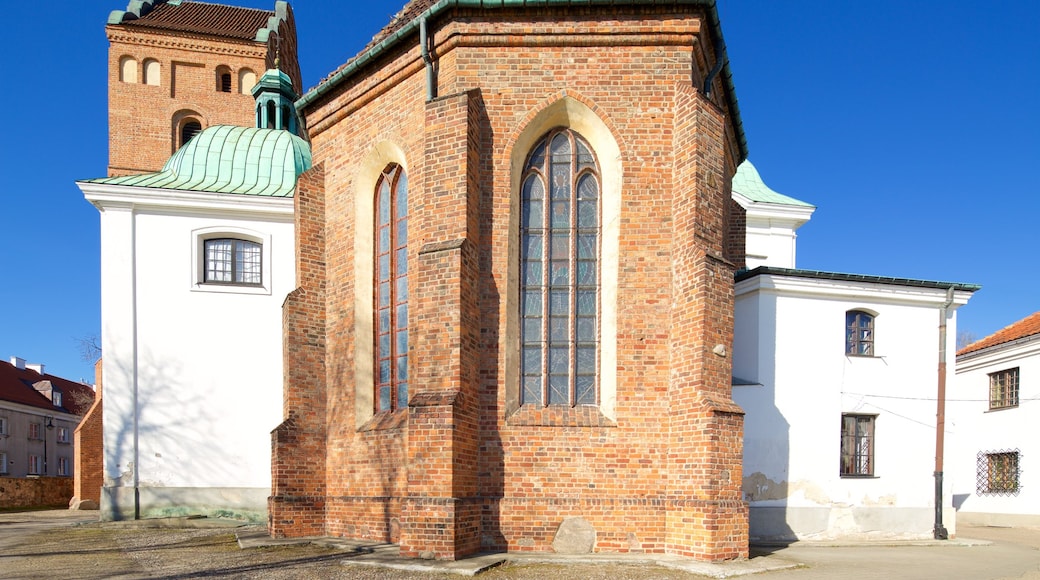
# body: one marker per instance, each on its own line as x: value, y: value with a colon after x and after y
x: 16, y: 386
x: 212, y: 19
x: 1028, y: 326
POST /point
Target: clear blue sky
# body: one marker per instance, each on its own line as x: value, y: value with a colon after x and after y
x: 912, y: 126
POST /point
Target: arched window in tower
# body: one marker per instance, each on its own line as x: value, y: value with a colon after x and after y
x: 271, y: 112
x: 189, y: 129
x: 151, y: 72
x: 223, y: 79
x: 559, y: 272
x: 128, y: 69
x: 390, y: 305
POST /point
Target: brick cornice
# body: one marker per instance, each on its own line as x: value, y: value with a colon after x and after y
x: 193, y: 43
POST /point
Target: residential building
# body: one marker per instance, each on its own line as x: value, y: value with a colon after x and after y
x: 38, y: 414
x: 995, y: 398
x: 837, y: 375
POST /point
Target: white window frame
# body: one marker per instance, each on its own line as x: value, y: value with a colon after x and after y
x: 198, y: 260
x: 56, y: 397
x: 63, y: 434
x: 63, y: 466
x: 35, y: 464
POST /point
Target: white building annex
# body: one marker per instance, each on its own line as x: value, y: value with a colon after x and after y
x: 838, y: 376
x: 994, y: 407
x: 196, y: 261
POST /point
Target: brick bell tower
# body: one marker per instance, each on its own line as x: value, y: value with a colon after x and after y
x: 176, y: 67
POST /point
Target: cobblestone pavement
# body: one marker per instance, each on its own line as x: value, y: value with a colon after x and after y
x: 73, y: 545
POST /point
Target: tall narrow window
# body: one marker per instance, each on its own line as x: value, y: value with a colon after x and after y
x: 859, y: 333
x: 231, y: 261
x: 35, y: 431
x: 391, y: 290
x: 3, y: 463
x: 63, y: 466
x: 857, y: 445
x: 1003, y: 389
x: 223, y: 79
x: 559, y: 272
x: 3, y: 426
x: 35, y: 465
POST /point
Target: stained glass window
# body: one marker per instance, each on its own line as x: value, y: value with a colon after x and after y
x: 391, y: 290
x: 559, y: 272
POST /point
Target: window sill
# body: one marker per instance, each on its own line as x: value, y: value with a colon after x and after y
x: 386, y: 421
x: 231, y: 288
x: 998, y: 409
x: 559, y: 416
x: 854, y: 476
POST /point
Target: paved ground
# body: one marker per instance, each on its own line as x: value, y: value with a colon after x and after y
x: 74, y: 545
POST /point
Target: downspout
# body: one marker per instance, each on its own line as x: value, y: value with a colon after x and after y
x: 424, y: 48
x: 720, y: 59
x: 940, y: 532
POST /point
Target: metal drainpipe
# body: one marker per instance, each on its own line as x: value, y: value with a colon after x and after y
x: 424, y: 48
x: 720, y: 59
x: 940, y: 532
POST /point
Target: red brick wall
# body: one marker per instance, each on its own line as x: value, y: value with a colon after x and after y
x: 142, y: 119
x: 89, y: 440
x: 456, y: 473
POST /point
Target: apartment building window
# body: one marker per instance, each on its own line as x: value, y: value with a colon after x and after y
x: 35, y: 431
x: 56, y: 397
x: 34, y: 464
x: 857, y: 445
x: 1003, y: 389
x: 63, y: 434
x: 3, y: 426
x: 859, y: 333
x: 3, y: 463
x: 63, y: 466
x: 997, y: 472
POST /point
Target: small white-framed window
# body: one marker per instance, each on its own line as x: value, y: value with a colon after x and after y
x: 56, y: 397
x: 34, y: 464
x: 63, y: 466
x: 3, y: 463
x: 63, y: 435
x: 231, y: 259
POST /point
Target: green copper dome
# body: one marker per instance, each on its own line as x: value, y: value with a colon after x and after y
x: 226, y: 159
x: 748, y: 182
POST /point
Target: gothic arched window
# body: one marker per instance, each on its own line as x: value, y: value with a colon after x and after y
x: 559, y: 272
x: 390, y: 305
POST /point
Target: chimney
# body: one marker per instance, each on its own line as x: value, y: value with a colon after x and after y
x: 38, y: 367
x: 18, y: 363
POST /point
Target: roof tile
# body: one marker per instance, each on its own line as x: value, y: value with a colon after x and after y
x: 16, y: 386
x: 201, y: 17
x: 1028, y: 326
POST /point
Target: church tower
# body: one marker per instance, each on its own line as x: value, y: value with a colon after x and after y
x: 177, y: 66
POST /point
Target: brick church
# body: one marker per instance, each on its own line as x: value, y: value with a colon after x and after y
x: 515, y: 250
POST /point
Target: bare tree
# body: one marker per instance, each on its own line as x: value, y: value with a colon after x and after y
x: 964, y: 338
x: 89, y: 348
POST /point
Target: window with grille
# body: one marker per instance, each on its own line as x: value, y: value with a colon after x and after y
x: 559, y: 272
x: 1003, y: 389
x: 390, y: 306
x: 233, y: 261
x: 35, y: 465
x: 859, y: 333
x: 997, y: 472
x: 189, y: 130
x: 857, y: 445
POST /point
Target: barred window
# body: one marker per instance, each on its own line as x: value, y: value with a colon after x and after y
x: 857, y: 445
x: 859, y: 333
x: 559, y: 270
x: 391, y: 290
x: 998, y: 472
x: 1003, y: 389
x: 233, y: 261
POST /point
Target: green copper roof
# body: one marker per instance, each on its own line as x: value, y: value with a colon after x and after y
x: 748, y: 183
x: 226, y: 159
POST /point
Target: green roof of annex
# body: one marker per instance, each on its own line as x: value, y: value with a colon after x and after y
x: 227, y: 159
